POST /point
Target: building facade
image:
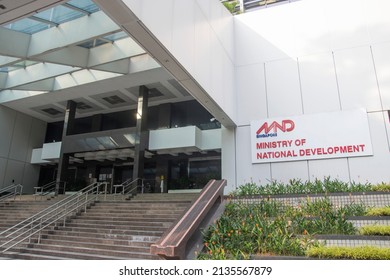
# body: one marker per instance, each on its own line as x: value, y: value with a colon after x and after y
x: 210, y: 76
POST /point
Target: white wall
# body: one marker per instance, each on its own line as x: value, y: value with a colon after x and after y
x: 19, y: 135
x: 314, y: 56
x: 193, y: 39
x: 304, y: 57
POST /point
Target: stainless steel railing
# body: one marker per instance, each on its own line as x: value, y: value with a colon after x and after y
x: 130, y: 186
x: 11, y: 191
x: 49, y: 188
x: 56, y: 214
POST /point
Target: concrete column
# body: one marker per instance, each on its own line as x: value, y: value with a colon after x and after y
x: 141, y: 135
x: 68, y: 129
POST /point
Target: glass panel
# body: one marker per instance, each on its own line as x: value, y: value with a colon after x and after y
x: 86, y: 5
x: 28, y: 26
x: 21, y: 64
x: 116, y: 36
x: 92, y: 43
x: 59, y: 14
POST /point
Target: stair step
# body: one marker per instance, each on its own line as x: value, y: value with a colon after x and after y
x: 119, y: 227
x: 108, y: 230
x: 76, y: 246
x: 82, y: 252
x: 81, y: 230
x: 125, y: 220
x: 106, y: 240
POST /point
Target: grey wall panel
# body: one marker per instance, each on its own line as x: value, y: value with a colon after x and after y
x: 381, y: 55
x: 285, y: 171
x: 3, y: 165
x: 246, y: 171
x: 7, y: 121
x: 333, y: 168
x: 319, y: 84
x: 20, y: 139
x: 252, y: 101
x: 228, y: 159
x: 374, y: 169
x: 283, y: 88
x: 30, y: 178
x: 37, y: 136
x: 14, y: 172
x: 356, y: 79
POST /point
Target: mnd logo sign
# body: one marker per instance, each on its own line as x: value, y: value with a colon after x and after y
x: 317, y: 136
x: 265, y: 129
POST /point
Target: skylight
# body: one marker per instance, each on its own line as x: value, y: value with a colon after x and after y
x: 54, y: 16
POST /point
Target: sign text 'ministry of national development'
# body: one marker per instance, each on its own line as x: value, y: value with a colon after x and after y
x: 316, y: 136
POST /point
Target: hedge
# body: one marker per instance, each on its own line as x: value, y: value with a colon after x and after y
x: 353, y: 253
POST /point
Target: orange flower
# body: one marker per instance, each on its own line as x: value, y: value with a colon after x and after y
x: 304, y: 232
x: 228, y: 234
x: 210, y: 252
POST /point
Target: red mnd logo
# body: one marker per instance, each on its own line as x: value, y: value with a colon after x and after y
x: 265, y: 129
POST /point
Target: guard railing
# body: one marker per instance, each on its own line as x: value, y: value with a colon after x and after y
x: 49, y: 188
x: 173, y: 243
x: 130, y: 187
x: 11, y: 191
x: 55, y: 215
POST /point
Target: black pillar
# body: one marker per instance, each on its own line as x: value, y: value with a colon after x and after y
x: 68, y: 129
x: 141, y: 135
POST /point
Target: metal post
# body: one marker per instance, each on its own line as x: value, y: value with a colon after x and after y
x: 86, y: 201
x: 105, y: 191
x: 40, y: 230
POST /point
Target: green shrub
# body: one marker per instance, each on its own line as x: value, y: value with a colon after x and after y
x: 380, y: 211
x: 354, y: 253
x: 375, y: 230
x: 320, y: 217
x: 296, y: 186
x: 247, y: 229
x: 383, y: 187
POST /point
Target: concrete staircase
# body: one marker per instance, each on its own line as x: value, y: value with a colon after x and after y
x: 110, y: 230
x: 15, y: 211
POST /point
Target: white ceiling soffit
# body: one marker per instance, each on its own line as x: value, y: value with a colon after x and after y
x: 65, y: 70
x: 124, y: 17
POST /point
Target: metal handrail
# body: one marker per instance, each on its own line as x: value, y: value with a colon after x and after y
x: 13, y: 189
x: 62, y: 210
x: 53, y: 206
x: 45, y: 189
x: 173, y: 243
x: 126, y: 187
x: 122, y: 185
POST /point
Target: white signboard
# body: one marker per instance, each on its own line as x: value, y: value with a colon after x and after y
x: 317, y: 136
